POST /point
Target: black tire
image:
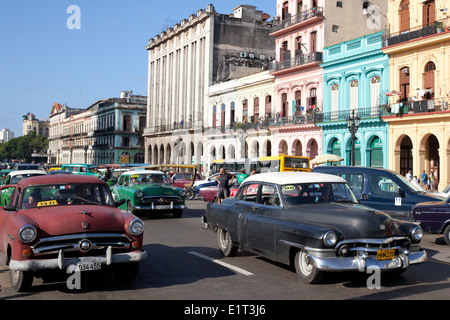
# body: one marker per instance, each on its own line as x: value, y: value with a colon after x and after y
x: 130, y: 208
x: 226, y: 246
x: 306, y: 272
x: 21, y: 280
x: 447, y: 235
x: 177, y: 213
x: 190, y: 194
x: 126, y: 272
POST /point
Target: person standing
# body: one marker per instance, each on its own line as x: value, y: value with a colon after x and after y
x: 241, y: 176
x: 424, y: 180
x: 224, y: 179
x: 409, y: 176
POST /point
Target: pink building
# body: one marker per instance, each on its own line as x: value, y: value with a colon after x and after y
x: 299, y: 33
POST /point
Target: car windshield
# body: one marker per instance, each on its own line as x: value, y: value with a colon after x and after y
x: 66, y: 194
x: 19, y: 177
x: 311, y: 193
x: 143, y: 178
x: 414, y: 186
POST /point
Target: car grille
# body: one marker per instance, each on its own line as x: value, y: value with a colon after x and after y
x: 371, y: 246
x: 160, y: 199
x: 72, y: 242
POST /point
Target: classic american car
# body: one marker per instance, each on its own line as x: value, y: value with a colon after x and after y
x: 434, y: 217
x: 313, y: 221
x: 148, y: 191
x: 67, y: 222
x: 14, y: 177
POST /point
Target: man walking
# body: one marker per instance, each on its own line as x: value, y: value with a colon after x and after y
x: 224, y: 179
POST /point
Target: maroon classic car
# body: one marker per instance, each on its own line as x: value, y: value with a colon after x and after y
x: 67, y: 222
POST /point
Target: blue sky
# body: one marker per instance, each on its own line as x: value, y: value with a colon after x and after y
x: 42, y: 61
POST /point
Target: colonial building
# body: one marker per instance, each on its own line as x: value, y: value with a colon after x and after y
x: 419, y: 121
x: 356, y: 80
x: 184, y: 61
x: 108, y: 131
x: 302, y: 30
x: 31, y: 123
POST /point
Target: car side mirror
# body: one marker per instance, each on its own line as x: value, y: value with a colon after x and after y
x: 9, y: 208
x: 120, y: 202
x: 401, y: 192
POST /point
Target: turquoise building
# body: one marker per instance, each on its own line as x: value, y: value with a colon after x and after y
x: 356, y: 81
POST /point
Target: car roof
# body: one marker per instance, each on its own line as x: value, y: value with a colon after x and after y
x: 17, y: 172
x: 59, y: 179
x: 294, y: 177
x: 350, y: 168
x: 139, y: 171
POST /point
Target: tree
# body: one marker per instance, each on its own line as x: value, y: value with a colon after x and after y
x: 22, y: 147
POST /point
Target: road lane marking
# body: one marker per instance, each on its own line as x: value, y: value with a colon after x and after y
x: 224, y: 264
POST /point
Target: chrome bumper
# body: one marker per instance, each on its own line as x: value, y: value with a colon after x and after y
x: 362, y: 261
x: 160, y: 207
x: 62, y: 263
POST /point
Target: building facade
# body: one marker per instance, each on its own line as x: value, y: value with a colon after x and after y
x: 31, y: 123
x: 356, y: 80
x: 184, y: 61
x: 6, y: 135
x: 418, y: 43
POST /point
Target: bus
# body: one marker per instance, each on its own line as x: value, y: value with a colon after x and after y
x: 278, y: 163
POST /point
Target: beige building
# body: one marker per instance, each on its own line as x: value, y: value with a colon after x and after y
x: 419, y: 121
x: 31, y: 123
x: 184, y: 61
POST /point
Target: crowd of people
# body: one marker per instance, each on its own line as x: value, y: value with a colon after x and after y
x: 428, y: 181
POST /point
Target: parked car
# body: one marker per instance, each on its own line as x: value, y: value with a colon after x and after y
x: 185, y: 179
x: 13, y: 178
x: 82, y: 169
x: 26, y: 166
x: 67, y: 222
x: 314, y: 222
x: 444, y: 193
x: 209, y: 182
x: 148, y: 191
x: 434, y: 217
x: 382, y: 189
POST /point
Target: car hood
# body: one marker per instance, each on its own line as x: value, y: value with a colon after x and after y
x: 429, y: 203
x: 156, y: 188
x: 60, y: 220
x: 352, y: 220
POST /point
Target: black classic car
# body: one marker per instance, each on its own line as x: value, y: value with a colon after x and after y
x: 312, y: 220
x: 434, y: 217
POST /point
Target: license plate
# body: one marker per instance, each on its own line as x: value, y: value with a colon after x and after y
x: 88, y: 266
x: 387, y: 254
x: 161, y: 207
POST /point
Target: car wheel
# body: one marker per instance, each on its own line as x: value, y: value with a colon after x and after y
x: 130, y: 208
x: 177, y: 213
x: 306, y: 272
x: 447, y: 235
x: 226, y: 246
x: 190, y: 193
x: 20, y: 280
x: 126, y: 272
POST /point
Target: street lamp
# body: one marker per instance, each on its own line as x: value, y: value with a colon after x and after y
x: 353, y: 125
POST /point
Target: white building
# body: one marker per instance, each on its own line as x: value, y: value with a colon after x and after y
x: 6, y: 135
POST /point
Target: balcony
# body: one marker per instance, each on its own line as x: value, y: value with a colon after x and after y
x: 316, y: 12
x: 297, y: 61
x: 342, y: 115
x: 415, y: 33
x: 424, y: 107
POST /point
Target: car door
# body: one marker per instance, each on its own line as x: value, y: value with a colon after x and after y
x: 245, y: 205
x: 118, y: 188
x: 384, y: 196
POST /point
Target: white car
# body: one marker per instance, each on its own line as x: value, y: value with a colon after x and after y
x: 15, y: 176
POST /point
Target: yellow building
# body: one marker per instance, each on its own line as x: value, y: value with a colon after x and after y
x: 418, y: 44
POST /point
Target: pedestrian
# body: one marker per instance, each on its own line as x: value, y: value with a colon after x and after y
x: 409, y: 176
x: 224, y: 179
x: 424, y: 180
x: 241, y: 176
x: 431, y: 182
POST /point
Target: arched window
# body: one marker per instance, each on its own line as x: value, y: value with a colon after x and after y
x: 404, y: 15
x: 428, y: 81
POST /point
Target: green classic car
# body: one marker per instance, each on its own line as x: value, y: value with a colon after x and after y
x: 148, y: 191
x: 81, y: 168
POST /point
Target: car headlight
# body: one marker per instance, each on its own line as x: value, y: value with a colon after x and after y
x: 330, y: 239
x: 139, y: 194
x: 136, y: 227
x: 27, y: 233
x: 182, y: 193
x: 417, y: 234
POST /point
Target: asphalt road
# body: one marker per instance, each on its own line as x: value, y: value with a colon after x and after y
x: 184, y: 264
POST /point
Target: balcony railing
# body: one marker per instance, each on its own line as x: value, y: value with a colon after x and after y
x: 297, y: 61
x: 302, y: 16
x: 342, y: 115
x: 415, y: 107
x: 414, y: 33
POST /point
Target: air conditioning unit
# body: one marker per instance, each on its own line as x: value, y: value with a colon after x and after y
x: 251, y: 55
x: 405, y: 70
x: 262, y: 57
x: 243, y: 54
